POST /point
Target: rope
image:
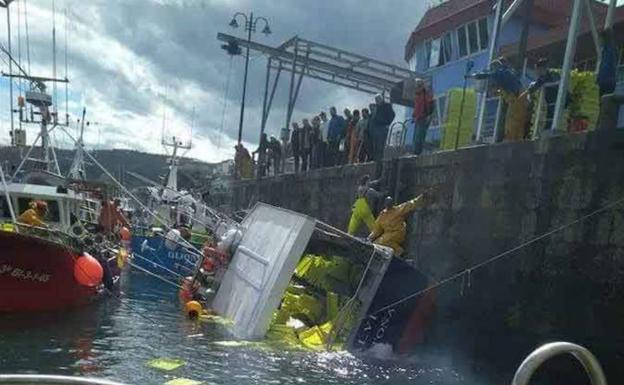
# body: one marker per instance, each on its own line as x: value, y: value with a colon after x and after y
x: 504, y: 254
x: 154, y: 275
x: 134, y: 254
x: 225, y: 99
x: 337, y: 327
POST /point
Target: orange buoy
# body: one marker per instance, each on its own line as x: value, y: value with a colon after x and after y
x: 193, y: 309
x: 125, y: 234
x: 88, y: 271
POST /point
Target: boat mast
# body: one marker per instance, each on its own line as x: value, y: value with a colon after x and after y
x: 6, y: 4
x: 77, y: 170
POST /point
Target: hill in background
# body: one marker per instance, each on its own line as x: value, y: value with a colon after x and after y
x: 192, y: 172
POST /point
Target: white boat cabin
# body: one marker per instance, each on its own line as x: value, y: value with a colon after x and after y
x: 64, y: 206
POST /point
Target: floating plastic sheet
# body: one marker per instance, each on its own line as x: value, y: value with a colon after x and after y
x: 274, y: 240
x: 165, y: 363
x: 183, y: 381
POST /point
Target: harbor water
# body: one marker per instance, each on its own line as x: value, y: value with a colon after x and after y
x: 115, y: 339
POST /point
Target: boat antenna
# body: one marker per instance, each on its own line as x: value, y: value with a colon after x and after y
x: 8, y: 13
x: 19, y: 46
x: 27, y: 33
x: 66, y: 73
x: 77, y: 169
x: 54, y: 87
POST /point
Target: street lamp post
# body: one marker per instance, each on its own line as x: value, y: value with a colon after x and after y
x: 250, y: 26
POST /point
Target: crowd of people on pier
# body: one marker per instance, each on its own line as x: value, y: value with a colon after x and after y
x: 324, y: 140
x: 360, y: 135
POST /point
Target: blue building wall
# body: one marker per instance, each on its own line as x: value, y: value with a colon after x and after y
x: 451, y: 75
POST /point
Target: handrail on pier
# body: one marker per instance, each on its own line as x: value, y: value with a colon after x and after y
x: 539, y: 356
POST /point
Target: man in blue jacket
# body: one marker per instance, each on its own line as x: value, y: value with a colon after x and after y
x: 606, y: 77
x: 335, y: 133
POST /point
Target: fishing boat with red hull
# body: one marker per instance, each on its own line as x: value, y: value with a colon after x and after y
x: 56, y: 256
x: 64, y: 264
x: 38, y: 274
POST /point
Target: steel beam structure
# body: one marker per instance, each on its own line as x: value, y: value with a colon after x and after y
x: 304, y: 58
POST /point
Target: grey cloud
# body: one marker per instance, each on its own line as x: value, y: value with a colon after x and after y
x: 178, y: 39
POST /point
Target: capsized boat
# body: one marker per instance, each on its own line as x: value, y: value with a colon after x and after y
x: 296, y: 279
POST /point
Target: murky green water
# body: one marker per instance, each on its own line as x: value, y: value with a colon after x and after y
x: 115, y: 338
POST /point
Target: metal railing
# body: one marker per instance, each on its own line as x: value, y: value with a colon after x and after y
x: 539, y: 356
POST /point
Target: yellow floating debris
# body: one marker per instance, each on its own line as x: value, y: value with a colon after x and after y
x: 316, y: 337
x: 183, y: 381
x: 165, y: 363
x: 9, y: 227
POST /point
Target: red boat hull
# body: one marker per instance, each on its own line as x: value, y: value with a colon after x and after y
x: 37, y: 275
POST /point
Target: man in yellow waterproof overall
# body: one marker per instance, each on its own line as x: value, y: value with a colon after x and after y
x: 35, y: 214
x: 390, y: 226
x: 362, y: 207
x: 506, y: 83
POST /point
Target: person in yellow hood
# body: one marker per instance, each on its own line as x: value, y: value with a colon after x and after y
x: 362, y: 210
x: 390, y: 226
x: 35, y: 214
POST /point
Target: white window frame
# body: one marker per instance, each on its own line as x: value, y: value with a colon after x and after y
x: 467, y: 36
x: 429, y: 50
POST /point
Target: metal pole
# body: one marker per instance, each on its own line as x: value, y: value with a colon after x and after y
x: 593, y: 29
x: 266, y: 97
x: 567, y: 64
x: 11, y: 72
x: 610, y: 14
x: 292, y: 84
x: 524, y: 36
x: 513, y: 7
x: 248, y: 25
x: 461, y: 111
x: 492, y: 51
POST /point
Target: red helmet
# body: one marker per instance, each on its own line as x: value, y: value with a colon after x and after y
x: 41, y: 205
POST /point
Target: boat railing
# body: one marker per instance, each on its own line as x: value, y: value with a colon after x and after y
x: 31, y: 379
x: 539, y: 356
x: 7, y: 195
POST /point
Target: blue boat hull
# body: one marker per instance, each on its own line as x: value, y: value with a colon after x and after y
x: 158, y: 259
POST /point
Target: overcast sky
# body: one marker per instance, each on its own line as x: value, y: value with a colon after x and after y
x: 131, y: 59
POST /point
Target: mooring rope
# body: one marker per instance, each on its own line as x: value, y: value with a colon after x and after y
x: 497, y: 257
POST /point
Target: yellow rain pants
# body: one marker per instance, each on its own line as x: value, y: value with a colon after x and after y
x: 390, y: 227
x: 516, y: 116
x: 361, y: 212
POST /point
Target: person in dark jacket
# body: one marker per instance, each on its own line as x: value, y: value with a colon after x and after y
x: 262, y: 149
x: 315, y: 141
x: 276, y: 154
x: 305, y: 141
x: 295, y: 144
x: 379, y: 126
x: 606, y: 77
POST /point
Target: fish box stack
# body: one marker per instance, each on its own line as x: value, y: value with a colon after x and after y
x: 316, y: 310
x: 458, y: 119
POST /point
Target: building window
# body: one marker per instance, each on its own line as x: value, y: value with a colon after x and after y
x: 484, y: 37
x: 438, y: 51
x: 462, y: 41
x: 472, y: 37
x: 446, y: 49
